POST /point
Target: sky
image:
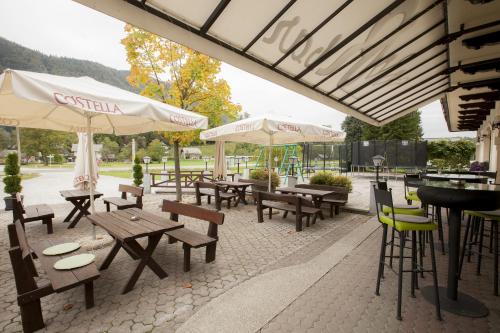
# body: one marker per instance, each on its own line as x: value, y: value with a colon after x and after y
x: 66, y: 28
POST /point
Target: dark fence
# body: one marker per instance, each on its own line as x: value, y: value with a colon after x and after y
x: 341, y: 157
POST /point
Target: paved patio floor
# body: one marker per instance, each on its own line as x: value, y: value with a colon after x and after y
x: 245, y: 249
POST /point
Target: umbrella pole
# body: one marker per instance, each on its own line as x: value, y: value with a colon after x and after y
x: 270, y: 161
x: 90, y: 148
x: 18, y: 143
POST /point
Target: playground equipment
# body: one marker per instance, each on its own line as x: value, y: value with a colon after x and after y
x: 285, y: 159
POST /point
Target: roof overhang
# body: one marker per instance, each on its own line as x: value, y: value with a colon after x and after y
x: 375, y: 60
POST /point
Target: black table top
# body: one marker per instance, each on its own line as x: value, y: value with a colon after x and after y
x: 455, y: 176
x: 463, y: 196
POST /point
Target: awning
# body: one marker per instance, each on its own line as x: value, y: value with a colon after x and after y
x: 375, y: 60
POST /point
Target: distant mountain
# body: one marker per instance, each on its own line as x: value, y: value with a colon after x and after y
x: 15, y: 56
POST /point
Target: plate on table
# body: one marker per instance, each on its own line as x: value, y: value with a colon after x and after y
x: 73, y: 262
x: 61, y: 249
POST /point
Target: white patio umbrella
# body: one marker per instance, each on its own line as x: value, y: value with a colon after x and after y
x: 220, y: 160
x: 82, y: 104
x: 270, y: 130
x: 82, y: 177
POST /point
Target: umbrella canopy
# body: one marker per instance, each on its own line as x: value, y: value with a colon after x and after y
x: 283, y: 130
x: 45, y: 101
x: 272, y: 129
x: 220, y: 160
x: 82, y: 177
x: 82, y: 104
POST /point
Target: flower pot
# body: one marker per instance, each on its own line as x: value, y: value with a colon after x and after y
x: 9, y: 203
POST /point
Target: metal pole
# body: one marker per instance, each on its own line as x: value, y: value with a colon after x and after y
x: 324, y: 156
x: 90, y: 148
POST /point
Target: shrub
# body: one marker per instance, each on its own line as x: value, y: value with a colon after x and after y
x: 12, y: 180
x: 261, y: 174
x: 58, y: 159
x: 328, y: 178
x: 138, y: 175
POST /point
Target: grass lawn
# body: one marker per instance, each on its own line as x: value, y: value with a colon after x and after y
x: 117, y: 173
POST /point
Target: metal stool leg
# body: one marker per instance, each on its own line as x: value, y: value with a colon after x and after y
x: 400, y: 276
x: 381, y: 259
x: 462, y: 256
x: 481, y: 238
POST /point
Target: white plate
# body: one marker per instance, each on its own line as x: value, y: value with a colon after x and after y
x: 61, y: 249
x: 72, y: 262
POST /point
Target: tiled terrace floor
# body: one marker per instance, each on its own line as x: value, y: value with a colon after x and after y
x: 344, y: 299
x: 245, y: 249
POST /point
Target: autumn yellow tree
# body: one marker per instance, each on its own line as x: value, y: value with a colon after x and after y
x: 179, y: 76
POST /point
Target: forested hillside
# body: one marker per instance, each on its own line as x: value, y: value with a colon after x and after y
x: 15, y: 56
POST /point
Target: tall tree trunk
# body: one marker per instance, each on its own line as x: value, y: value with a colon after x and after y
x: 178, y: 189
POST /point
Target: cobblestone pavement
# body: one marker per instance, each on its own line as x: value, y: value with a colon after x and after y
x: 245, y: 249
x: 344, y: 299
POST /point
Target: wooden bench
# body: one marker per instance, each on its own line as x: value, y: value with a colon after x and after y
x: 190, y: 238
x: 123, y: 203
x: 212, y: 190
x: 28, y: 292
x: 288, y: 203
x: 32, y: 213
x: 335, y: 200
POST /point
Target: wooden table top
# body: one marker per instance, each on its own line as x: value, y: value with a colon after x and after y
x: 298, y: 190
x: 78, y: 194
x: 118, y: 224
x: 230, y: 183
x: 62, y: 280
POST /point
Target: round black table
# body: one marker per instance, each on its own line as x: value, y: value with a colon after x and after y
x: 470, y: 196
x: 456, y: 176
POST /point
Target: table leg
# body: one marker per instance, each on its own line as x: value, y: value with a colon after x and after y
x: 70, y: 215
x: 83, y: 207
x: 451, y: 299
x: 241, y: 194
x: 317, y: 202
x: 146, y: 260
x: 89, y: 295
x: 111, y: 255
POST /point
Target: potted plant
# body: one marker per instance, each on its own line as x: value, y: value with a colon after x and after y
x: 263, y: 175
x: 138, y: 175
x: 330, y: 179
x: 12, y: 179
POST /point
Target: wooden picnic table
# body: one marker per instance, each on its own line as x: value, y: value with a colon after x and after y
x: 62, y: 280
x: 316, y: 195
x: 81, y: 200
x: 126, y: 232
x: 238, y: 187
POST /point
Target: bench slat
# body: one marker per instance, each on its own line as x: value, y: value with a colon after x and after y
x: 117, y: 201
x: 193, y: 238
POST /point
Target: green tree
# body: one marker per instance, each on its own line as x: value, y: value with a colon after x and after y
x: 137, y: 172
x: 193, y: 83
x: 47, y: 142
x: 408, y: 127
x: 156, y: 150
x: 353, y: 128
x: 12, y: 180
x: 110, y: 149
x: 451, y: 154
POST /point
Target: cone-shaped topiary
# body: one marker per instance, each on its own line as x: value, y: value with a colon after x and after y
x: 138, y: 175
x: 12, y: 180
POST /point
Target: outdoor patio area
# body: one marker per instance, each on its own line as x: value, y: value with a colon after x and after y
x: 341, y: 252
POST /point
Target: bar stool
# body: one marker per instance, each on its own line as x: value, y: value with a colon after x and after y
x: 404, y: 225
x: 474, y: 235
x: 410, y: 195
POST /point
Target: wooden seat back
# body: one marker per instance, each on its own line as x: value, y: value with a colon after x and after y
x: 207, y: 185
x: 21, y: 259
x: 136, y: 191
x: 339, y: 192
x: 176, y: 208
x: 18, y: 208
x: 285, y: 198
